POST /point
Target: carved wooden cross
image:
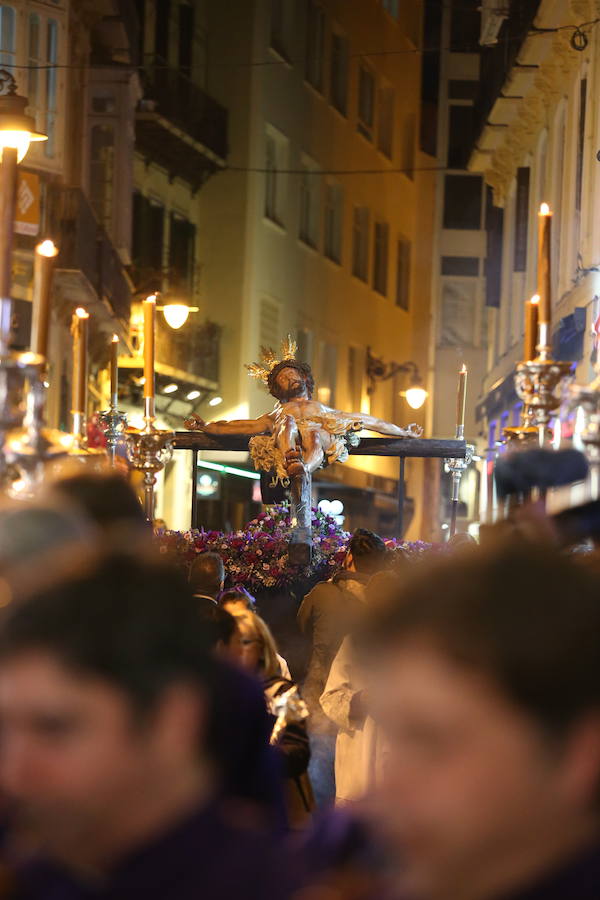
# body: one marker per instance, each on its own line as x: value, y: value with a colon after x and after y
x: 300, y: 487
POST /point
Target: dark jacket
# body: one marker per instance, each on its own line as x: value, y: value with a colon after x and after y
x: 326, y: 615
x: 210, y: 855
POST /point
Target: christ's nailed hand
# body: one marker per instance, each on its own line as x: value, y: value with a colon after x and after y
x: 194, y: 423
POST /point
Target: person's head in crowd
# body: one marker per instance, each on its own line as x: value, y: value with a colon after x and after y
x: 367, y: 552
x: 224, y: 632
x: 159, y: 525
x: 40, y: 543
x: 207, y: 575
x: 237, y: 600
x: 104, y: 704
x: 259, y: 649
x: 109, y: 501
x: 486, y: 683
x: 462, y: 542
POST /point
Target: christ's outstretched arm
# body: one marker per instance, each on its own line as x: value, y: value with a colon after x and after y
x: 262, y: 425
x: 371, y: 423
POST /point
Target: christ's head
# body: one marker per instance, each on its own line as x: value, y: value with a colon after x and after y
x: 291, y: 380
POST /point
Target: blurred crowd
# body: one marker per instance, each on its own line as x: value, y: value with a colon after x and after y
x: 443, y: 742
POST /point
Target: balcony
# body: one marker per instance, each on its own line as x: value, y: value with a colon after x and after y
x: 179, y: 126
x: 88, y: 266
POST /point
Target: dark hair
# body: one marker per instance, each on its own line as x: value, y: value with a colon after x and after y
x: 130, y: 623
x: 105, y: 499
x: 304, y: 370
x: 526, y: 617
x: 207, y: 574
x: 220, y: 624
x: 233, y: 595
x: 368, y: 550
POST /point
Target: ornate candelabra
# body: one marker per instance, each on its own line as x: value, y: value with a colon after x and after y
x: 149, y: 450
x: 113, y: 423
x: 29, y: 448
x: 538, y: 384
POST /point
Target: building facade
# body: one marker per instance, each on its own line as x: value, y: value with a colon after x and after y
x: 537, y: 141
x: 321, y: 224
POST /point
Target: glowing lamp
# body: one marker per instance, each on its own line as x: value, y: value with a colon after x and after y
x: 416, y: 396
x: 176, y: 314
x: 17, y: 130
x: 215, y: 401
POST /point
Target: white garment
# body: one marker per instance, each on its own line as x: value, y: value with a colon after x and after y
x: 284, y: 668
x: 358, y: 747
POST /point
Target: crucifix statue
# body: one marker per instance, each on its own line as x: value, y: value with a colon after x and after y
x: 300, y: 435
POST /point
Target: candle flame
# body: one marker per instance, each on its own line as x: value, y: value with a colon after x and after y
x: 47, y: 248
x: 115, y: 339
x: 545, y: 210
x: 463, y: 371
x: 150, y: 299
x: 535, y: 299
x: 82, y: 313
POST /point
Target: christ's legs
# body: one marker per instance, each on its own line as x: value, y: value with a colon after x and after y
x: 287, y: 439
x: 312, y: 450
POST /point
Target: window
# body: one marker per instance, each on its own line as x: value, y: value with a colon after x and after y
x: 385, y: 138
x: 8, y: 36
x: 360, y: 243
x: 305, y: 346
x: 281, y: 23
x: 181, y: 254
x: 102, y: 173
x: 275, y: 161
x: 393, y: 7
x: 339, y: 72
x: 460, y: 265
x: 162, y: 29
x: 462, y: 202
x: 356, y: 376
x: 459, y: 89
x: 403, y: 274
x: 380, y: 261
x: 310, y: 202
x: 521, y: 219
x: 408, y: 145
x: 268, y: 326
x: 460, y: 136
x: 458, y: 313
x: 327, y: 381
x: 147, y: 244
x: 334, y: 216
x: 315, y: 45
x: 366, y: 102
x: 42, y: 52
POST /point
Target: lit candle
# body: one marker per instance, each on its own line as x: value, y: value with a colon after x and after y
x: 114, y: 371
x: 45, y: 254
x: 79, y: 330
x: 544, y: 285
x: 462, y: 398
x: 149, y: 305
x: 531, y: 328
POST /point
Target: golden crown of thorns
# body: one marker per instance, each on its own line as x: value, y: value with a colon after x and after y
x: 269, y: 359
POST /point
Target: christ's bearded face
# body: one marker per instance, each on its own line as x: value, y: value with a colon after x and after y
x: 291, y: 384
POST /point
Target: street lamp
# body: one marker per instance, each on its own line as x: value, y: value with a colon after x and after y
x: 378, y: 370
x: 17, y: 131
x: 176, y: 314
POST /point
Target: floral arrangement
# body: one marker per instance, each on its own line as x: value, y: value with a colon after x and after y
x: 257, y: 556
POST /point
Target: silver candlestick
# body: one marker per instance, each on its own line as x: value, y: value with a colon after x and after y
x: 113, y: 423
x: 538, y: 383
x: 456, y: 468
x: 149, y: 450
x: 587, y: 397
x: 29, y: 448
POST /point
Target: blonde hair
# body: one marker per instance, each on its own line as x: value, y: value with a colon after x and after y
x: 269, y: 664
